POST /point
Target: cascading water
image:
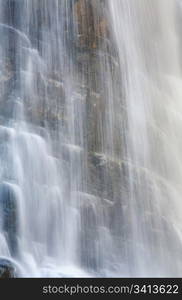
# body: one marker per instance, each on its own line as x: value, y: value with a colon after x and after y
x: 90, y: 142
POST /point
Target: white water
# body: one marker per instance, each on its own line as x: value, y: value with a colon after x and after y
x: 90, y: 137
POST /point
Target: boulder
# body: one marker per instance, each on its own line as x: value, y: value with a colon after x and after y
x: 7, y: 268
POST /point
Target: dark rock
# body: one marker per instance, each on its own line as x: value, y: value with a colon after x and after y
x: 7, y: 269
x: 90, y: 29
x: 8, y: 204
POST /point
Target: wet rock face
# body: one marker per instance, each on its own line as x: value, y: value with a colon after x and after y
x: 90, y: 30
x: 8, y: 205
x: 47, y: 106
x: 7, y: 269
x: 89, y: 231
x: 10, y: 7
x: 7, y: 83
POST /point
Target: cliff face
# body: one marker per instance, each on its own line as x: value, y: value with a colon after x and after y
x: 92, y: 25
x: 89, y: 96
x: 61, y: 76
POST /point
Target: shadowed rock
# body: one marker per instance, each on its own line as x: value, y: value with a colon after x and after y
x: 7, y: 269
x: 8, y: 204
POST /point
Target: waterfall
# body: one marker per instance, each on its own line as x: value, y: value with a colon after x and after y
x: 90, y: 137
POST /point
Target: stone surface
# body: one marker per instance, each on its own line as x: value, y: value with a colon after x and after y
x: 91, y: 29
x: 8, y: 204
x: 7, y: 269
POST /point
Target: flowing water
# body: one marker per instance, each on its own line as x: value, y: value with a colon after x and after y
x: 91, y: 137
